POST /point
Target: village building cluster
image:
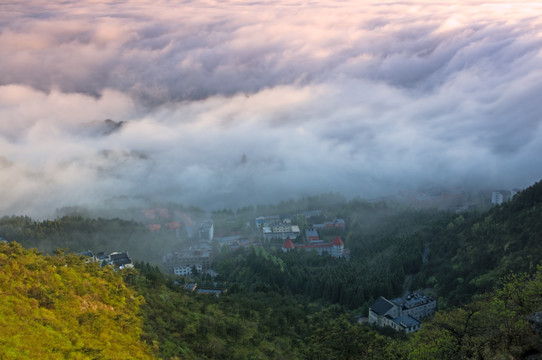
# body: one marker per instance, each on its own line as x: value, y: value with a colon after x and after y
x: 198, y: 241
x: 198, y: 256
x: 275, y: 228
x: 120, y: 260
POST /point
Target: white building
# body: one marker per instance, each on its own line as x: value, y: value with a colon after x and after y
x: 501, y: 196
x: 402, y: 314
x: 186, y: 270
x: 497, y: 197
x: 182, y: 262
x: 281, y: 231
x: 207, y: 231
x: 334, y: 248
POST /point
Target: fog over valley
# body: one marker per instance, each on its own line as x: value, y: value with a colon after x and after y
x: 227, y: 103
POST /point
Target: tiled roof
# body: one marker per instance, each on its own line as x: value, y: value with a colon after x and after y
x: 381, y: 306
x: 314, y: 246
x: 288, y: 244
x: 337, y: 241
x: 406, y: 321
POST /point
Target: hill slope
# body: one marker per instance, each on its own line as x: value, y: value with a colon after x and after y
x: 59, y: 307
x: 470, y: 255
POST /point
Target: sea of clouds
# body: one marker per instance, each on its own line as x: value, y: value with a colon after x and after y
x: 228, y: 103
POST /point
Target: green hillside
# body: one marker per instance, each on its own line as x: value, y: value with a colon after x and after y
x: 59, y: 307
x: 471, y: 254
x: 483, y: 267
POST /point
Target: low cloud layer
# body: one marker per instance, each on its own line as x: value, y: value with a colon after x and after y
x: 231, y: 103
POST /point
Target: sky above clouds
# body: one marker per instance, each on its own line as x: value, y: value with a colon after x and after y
x: 228, y: 103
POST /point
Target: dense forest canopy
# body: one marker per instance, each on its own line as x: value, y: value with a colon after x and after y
x: 482, y: 266
x: 61, y: 307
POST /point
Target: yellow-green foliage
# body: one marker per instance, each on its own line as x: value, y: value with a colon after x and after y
x: 494, y: 326
x: 59, y: 307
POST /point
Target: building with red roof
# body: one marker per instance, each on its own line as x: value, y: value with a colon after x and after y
x: 334, y: 248
x: 174, y: 225
x: 154, y: 227
x: 288, y: 245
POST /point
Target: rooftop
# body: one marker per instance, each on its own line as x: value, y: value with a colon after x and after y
x: 337, y: 241
x: 406, y: 321
x: 382, y: 305
x: 288, y: 244
x: 411, y: 301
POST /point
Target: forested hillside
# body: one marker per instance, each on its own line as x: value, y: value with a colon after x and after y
x: 484, y: 269
x: 472, y: 253
x: 496, y: 325
x: 76, y: 233
x: 59, y: 307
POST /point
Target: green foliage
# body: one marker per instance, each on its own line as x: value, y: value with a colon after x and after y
x: 351, y: 283
x: 76, y: 234
x: 292, y: 305
x: 235, y: 326
x: 476, y: 251
x: 337, y: 338
x: 59, y: 307
x: 493, y: 326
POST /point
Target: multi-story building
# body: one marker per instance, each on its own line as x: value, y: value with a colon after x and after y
x: 334, y: 248
x: 206, y: 230
x: 312, y: 235
x: 235, y: 242
x: 281, y: 231
x: 417, y: 305
x: 182, y: 262
x: 498, y: 197
x: 266, y: 221
x: 402, y: 313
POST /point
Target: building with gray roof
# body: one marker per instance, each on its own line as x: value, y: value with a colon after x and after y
x: 402, y: 314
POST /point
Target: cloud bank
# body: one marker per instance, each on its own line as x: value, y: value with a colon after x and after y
x: 226, y: 103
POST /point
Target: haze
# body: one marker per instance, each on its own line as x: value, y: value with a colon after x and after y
x: 228, y: 103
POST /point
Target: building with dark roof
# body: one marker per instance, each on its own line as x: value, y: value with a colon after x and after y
x: 191, y: 286
x: 87, y: 254
x: 402, y: 314
x: 206, y: 230
x: 119, y: 260
x: 417, y: 304
x: 101, y: 257
x: 381, y: 310
x: 266, y: 221
x: 406, y: 323
x: 215, y: 292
